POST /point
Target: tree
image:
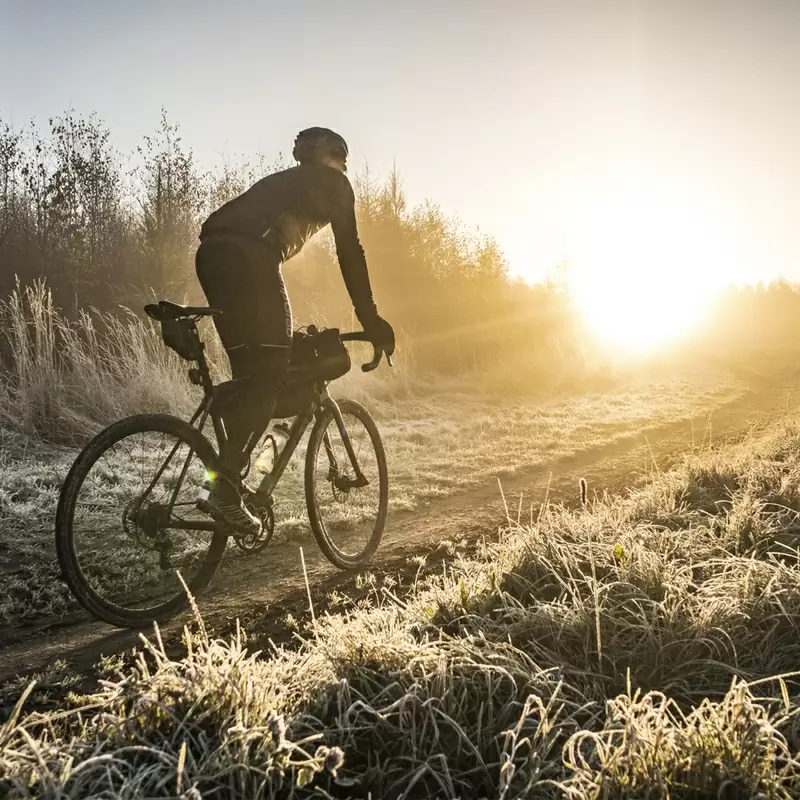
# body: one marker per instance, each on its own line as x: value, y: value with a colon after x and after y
x: 171, y: 204
x: 83, y: 205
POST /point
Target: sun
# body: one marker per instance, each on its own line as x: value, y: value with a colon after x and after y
x: 647, y: 265
x: 640, y: 317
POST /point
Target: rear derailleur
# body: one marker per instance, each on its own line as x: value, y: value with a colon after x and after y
x: 147, y: 523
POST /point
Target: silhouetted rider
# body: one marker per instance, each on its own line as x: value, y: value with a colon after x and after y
x: 243, y: 245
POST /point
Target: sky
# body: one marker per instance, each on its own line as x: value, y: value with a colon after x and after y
x: 604, y: 131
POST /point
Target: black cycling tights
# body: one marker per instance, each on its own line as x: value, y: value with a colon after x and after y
x: 256, y: 330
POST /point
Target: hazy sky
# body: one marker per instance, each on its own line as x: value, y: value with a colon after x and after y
x: 529, y: 119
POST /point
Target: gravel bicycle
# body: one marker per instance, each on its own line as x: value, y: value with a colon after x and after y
x: 130, y: 514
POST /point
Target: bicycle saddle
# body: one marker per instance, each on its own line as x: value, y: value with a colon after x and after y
x: 166, y: 310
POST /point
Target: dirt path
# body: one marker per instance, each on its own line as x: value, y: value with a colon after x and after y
x: 267, y: 589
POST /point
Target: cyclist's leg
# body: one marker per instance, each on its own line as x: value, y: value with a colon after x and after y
x: 256, y: 331
x: 225, y: 274
x: 261, y: 364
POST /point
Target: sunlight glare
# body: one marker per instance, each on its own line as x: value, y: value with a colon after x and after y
x: 646, y: 268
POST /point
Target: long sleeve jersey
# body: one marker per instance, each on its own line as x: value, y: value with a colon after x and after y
x: 285, y: 209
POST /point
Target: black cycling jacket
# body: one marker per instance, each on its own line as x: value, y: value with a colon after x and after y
x: 285, y: 209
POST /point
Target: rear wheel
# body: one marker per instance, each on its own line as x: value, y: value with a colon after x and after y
x: 346, y: 506
x: 126, y: 522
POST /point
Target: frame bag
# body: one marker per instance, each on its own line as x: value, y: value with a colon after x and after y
x: 317, y: 357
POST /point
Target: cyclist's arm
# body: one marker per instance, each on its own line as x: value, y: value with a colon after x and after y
x: 350, y: 253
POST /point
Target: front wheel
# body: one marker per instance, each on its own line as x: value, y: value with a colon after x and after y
x: 347, y: 488
x: 127, y: 523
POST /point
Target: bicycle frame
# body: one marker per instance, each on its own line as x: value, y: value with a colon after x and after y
x: 299, y: 425
x: 262, y: 497
x: 263, y: 494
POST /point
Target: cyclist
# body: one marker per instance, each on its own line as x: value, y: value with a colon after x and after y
x: 242, y: 247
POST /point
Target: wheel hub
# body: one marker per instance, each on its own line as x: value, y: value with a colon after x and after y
x: 146, y: 523
x: 341, y: 484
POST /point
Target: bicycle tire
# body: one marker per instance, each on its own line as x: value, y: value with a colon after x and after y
x: 72, y: 572
x: 337, y: 557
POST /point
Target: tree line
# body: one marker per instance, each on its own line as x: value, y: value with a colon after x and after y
x: 103, y: 235
x: 104, y: 232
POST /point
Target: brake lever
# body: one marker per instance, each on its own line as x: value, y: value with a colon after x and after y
x: 378, y: 354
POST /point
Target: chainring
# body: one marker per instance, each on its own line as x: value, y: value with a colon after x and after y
x: 251, y: 543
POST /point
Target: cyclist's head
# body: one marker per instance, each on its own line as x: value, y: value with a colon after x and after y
x: 322, y: 146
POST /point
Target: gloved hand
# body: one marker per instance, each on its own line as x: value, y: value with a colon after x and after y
x: 380, y: 333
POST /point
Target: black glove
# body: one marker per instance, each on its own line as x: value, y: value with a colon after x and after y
x: 380, y: 333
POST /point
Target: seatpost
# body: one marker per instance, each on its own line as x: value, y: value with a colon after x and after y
x: 205, y: 373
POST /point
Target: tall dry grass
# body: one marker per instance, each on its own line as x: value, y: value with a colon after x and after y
x: 62, y: 380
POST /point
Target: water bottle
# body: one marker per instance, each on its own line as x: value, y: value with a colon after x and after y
x: 280, y: 433
x: 266, y: 458
x: 273, y: 444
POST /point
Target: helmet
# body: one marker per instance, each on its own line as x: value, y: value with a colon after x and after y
x: 313, y: 144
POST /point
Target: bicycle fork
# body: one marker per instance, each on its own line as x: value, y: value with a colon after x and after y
x: 333, y: 472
